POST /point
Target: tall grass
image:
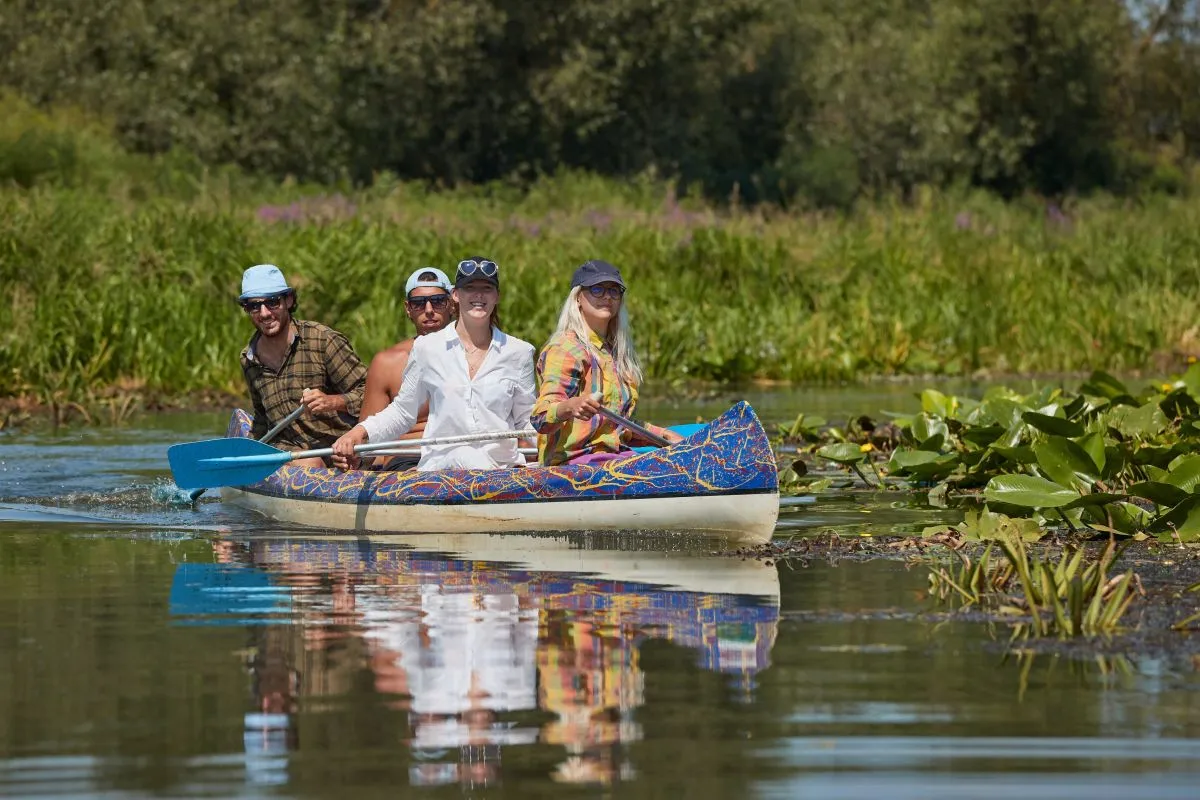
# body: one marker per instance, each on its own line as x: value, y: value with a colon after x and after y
x: 127, y: 284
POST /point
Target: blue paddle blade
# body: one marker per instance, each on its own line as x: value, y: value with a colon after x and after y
x: 683, y: 430
x: 223, y: 462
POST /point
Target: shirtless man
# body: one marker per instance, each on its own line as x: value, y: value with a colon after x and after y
x: 427, y: 303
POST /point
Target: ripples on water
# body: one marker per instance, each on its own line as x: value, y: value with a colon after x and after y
x: 150, y: 647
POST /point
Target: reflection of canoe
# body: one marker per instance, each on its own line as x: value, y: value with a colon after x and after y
x: 515, y: 553
x: 722, y: 481
x: 724, y: 607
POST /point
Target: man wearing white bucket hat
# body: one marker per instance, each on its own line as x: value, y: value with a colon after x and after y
x: 290, y: 362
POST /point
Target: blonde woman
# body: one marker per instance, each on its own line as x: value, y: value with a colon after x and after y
x: 591, y: 353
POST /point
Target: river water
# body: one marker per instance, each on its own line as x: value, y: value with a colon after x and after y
x: 150, y: 649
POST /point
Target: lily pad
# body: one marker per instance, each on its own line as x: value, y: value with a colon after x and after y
x: 1054, y: 425
x: 1028, y: 491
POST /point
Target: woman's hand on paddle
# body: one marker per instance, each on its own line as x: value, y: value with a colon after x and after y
x: 344, y: 456
x: 321, y: 404
x: 672, y: 437
x: 585, y: 406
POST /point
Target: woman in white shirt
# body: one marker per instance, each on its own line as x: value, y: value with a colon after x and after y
x: 475, y: 377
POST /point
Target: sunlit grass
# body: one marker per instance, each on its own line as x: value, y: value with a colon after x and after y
x: 102, y: 296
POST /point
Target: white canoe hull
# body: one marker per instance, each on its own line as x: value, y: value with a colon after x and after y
x: 739, y: 519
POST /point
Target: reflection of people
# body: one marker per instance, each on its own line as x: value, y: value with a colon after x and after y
x: 591, y: 352
x: 463, y: 648
x: 464, y: 659
x: 590, y: 681
x: 475, y: 378
x: 291, y: 361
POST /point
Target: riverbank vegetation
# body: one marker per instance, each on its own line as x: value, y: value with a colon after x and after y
x: 119, y: 272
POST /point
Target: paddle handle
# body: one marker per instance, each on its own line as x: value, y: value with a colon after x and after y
x: 412, y: 443
x: 630, y: 424
x: 283, y: 423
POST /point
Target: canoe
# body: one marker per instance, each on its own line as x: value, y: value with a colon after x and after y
x: 721, y: 481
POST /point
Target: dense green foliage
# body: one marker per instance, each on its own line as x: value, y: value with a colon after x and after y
x: 96, y: 292
x: 817, y: 102
x: 1101, y: 459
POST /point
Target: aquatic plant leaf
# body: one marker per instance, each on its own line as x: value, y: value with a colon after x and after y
x: 1093, y: 445
x: 1028, y: 491
x: 1159, y: 493
x: 1053, y: 425
x: 904, y: 459
x: 1102, y: 384
x: 1181, y: 523
x: 925, y: 427
x: 985, y: 525
x: 982, y: 435
x: 1184, y: 472
x: 1002, y: 410
x: 843, y: 453
x: 1066, y: 462
x: 1094, y: 499
x: 1191, y: 380
x: 1019, y: 455
x: 937, y: 404
x: 1145, y: 421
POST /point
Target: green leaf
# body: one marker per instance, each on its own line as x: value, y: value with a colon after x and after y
x: 1102, y: 384
x: 1018, y: 455
x: 937, y: 404
x: 1065, y: 462
x: 1095, y: 499
x: 982, y: 436
x: 1163, y: 494
x: 844, y: 453
x: 1144, y: 421
x: 1028, y: 491
x: 1184, y: 519
x: 1185, y: 473
x: 1054, y: 425
x: 988, y: 525
x: 905, y: 459
x: 1191, y: 379
x: 925, y: 428
x: 1093, y: 445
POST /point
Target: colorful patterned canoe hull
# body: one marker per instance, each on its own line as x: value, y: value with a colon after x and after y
x: 721, y: 481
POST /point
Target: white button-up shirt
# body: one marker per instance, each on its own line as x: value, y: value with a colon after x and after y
x: 500, y: 397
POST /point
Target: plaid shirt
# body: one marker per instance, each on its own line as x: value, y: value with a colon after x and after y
x: 568, y: 368
x: 320, y: 358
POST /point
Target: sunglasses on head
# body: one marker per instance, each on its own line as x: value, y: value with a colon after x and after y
x: 615, y: 292
x: 272, y: 303
x: 438, y: 301
x: 487, y: 268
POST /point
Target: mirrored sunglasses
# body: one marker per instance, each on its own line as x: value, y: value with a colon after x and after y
x: 487, y: 268
x: 272, y: 303
x: 615, y: 292
x: 438, y: 301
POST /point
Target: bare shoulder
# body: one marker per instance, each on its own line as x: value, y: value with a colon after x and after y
x: 393, y: 356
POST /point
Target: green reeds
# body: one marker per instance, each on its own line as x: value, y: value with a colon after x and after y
x: 138, y: 295
x: 1044, y: 597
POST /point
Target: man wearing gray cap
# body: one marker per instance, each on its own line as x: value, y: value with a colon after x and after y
x: 290, y: 362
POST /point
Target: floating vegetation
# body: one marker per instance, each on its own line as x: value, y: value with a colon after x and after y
x: 1040, y: 596
x: 1101, y: 460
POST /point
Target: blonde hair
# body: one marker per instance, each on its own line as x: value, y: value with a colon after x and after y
x: 618, y: 337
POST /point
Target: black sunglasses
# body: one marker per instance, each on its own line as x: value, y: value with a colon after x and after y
x: 272, y: 303
x: 438, y: 301
x: 488, y: 268
x: 615, y: 292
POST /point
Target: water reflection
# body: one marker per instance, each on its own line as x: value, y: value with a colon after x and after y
x: 482, y: 649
